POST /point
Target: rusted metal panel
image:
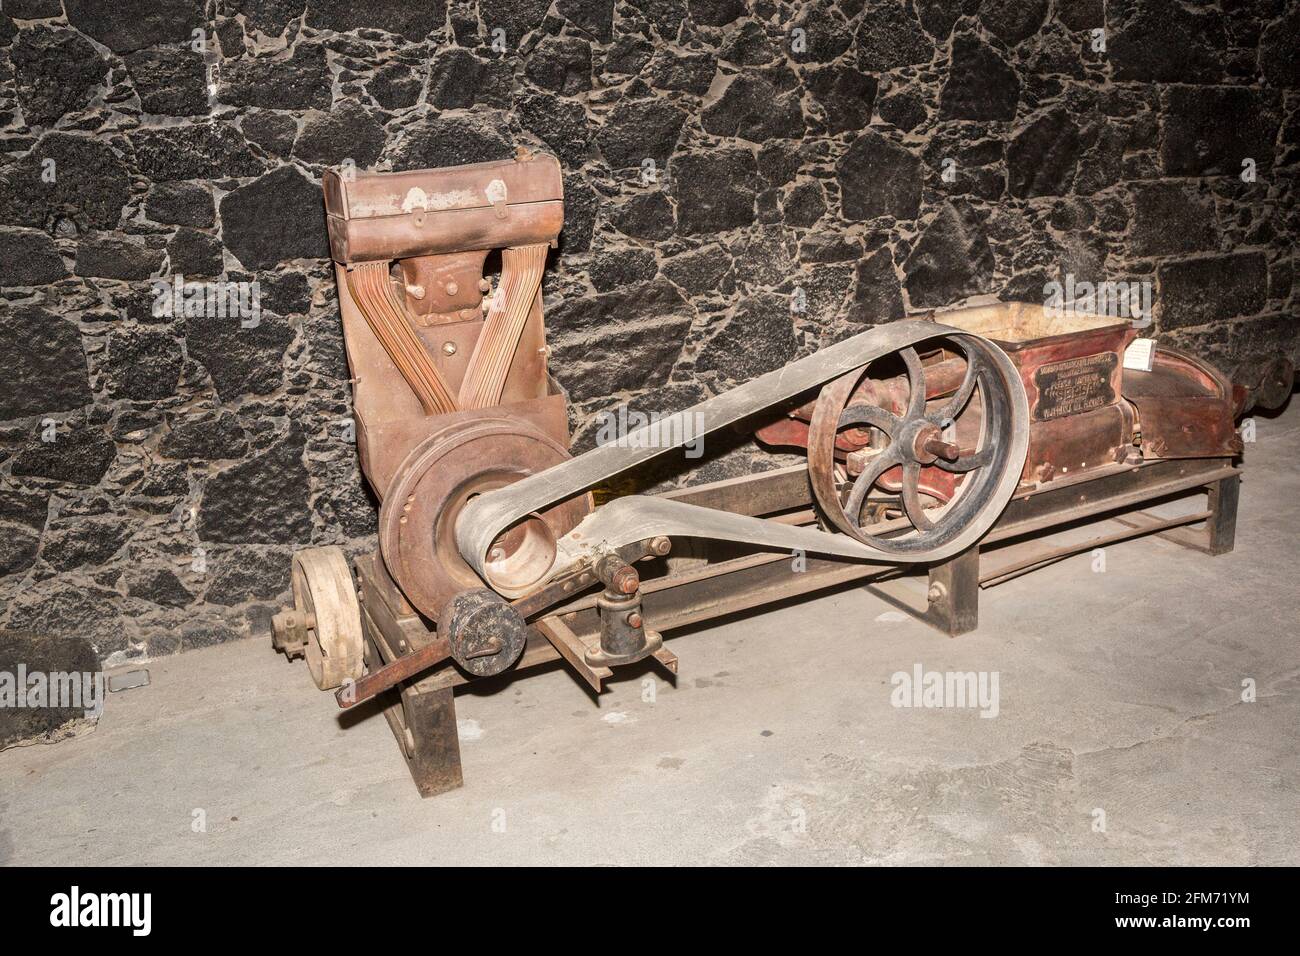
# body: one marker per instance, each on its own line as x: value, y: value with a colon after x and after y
x: 1185, y: 406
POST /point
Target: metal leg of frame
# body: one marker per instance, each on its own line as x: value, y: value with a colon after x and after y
x: 422, y: 718
x: 954, y: 593
x: 432, y: 746
x: 1221, y: 527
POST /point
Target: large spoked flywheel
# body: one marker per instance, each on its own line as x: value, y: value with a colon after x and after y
x: 942, y: 452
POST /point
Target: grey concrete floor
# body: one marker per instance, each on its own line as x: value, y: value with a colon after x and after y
x: 1120, y: 707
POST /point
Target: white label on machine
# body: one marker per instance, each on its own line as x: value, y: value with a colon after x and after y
x: 1138, y: 355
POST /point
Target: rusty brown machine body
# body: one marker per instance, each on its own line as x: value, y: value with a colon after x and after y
x: 928, y: 442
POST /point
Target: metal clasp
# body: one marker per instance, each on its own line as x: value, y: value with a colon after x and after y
x: 496, y: 195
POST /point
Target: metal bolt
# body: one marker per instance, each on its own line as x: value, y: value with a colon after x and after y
x: 484, y: 285
x: 937, y: 592
x: 661, y: 545
x: 618, y: 577
x: 452, y: 288
x: 448, y: 348
x: 634, y: 619
x: 496, y: 554
x: 625, y: 580
x: 415, y: 291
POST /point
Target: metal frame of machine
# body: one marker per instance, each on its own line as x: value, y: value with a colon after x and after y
x: 949, y: 444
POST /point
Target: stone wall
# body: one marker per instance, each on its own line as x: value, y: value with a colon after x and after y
x: 745, y: 181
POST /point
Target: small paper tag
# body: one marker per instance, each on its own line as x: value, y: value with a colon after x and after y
x: 1138, y: 355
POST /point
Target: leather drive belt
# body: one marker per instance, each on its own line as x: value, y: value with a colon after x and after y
x: 634, y: 518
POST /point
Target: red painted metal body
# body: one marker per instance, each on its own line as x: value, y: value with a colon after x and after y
x: 1087, y: 412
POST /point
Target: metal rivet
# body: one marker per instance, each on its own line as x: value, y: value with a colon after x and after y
x: 448, y: 348
x: 452, y: 288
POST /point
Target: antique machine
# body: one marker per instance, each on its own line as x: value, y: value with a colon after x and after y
x: 928, y: 441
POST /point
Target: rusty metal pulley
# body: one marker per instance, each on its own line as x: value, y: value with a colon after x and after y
x: 920, y: 437
x: 324, y: 624
x: 471, y: 456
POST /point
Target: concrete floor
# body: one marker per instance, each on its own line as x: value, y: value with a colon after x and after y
x: 1120, y: 693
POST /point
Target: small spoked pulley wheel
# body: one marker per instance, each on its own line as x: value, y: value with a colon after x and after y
x: 941, y: 446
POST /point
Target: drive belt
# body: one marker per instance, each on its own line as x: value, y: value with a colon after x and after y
x: 626, y: 520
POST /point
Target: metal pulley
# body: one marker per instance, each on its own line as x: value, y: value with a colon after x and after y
x: 324, y: 624
x: 468, y: 458
x: 913, y: 440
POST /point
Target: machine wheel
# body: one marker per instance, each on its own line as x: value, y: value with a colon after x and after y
x: 469, y: 457
x: 324, y: 624
x: 973, y: 426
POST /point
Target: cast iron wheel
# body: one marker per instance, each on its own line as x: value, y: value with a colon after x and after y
x: 916, y: 439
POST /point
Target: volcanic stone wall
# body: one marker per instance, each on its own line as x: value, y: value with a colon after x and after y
x: 745, y: 181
